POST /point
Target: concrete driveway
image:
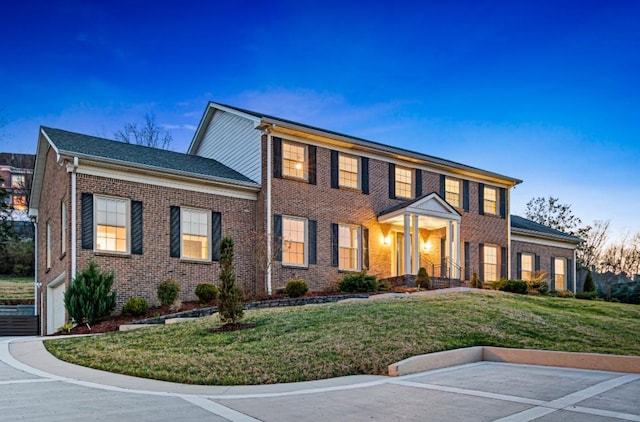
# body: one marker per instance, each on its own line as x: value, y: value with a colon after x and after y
x: 34, y: 386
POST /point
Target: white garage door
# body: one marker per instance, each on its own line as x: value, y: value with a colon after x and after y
x: 55, y: 304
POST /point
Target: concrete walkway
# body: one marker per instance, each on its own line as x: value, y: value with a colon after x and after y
x: 35, y: 386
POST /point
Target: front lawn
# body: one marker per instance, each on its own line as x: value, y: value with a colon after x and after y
x: 16, y: 287
x: 323, y: 341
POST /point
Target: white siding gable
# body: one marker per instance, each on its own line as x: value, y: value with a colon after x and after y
x: 233, y: 141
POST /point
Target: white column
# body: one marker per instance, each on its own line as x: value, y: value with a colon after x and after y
x: 416, y: 244
x: 407, y: 244
x: 459, y: 253
x: 449, y: 246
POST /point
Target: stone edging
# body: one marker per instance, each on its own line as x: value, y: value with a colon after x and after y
x: 593, y: 361
x: 275, y: 303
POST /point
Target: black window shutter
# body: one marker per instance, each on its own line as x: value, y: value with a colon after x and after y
x: 443, y: 255
x: 277, y: 241
x: 136, y: 227
x: 174, y: 242
x: 216, y: 235
x: 313, y: 230
x: 467, y: 262
x: 442, y: 183
x: 418, y: 183
x: 465, y: 195
x: 365, y: 175
x: 334, y: 169
x: 552, y: 286
x: 365, y: 248
x: 312, y: 152
x: 481, y: 269
x: 569, y: 274
x: 537, y: 263
x: 503, y: 261
x: 334, y: 245
x: 503, y: 203
x: 277, y: 157
x: 87, y: 220
x: 519, y: 266
x: 481, y: 198
x: 392, y: 181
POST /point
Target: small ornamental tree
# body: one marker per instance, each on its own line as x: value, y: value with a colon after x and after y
x: 422, y: 279
x: 475, y: 282
x: 230, y: 297
x: 89, y: 297
x: 589, y: 285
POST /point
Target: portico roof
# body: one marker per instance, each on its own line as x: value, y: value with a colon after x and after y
x: 431, y: 208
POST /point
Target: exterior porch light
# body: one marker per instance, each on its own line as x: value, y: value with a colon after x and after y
x: 386, y: 240
x: 426, y: 246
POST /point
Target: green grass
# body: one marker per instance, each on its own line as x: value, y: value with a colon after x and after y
x: 16, y: 287
x: 322, y: 341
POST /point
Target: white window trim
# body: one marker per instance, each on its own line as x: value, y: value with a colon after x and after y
x: 359, y: 172
x: 484, y: 200
x: 127, y: 222
x: 459, y: 182
x: 533, y: 264
x: 63, y: 226
x: 209, y: 240
x: 358, y: 248
x: 412, y: 183
x: 564, y: 271
x: 305, y: 162
x: 497, y: 264
x: 306, y: 242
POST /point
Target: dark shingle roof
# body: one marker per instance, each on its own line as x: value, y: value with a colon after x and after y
x: 21, y: 161
x: 522, y: 224
x: 141, y: 156
x: 433, y: 159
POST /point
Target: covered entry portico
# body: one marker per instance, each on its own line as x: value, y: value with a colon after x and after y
x: 412, y: 225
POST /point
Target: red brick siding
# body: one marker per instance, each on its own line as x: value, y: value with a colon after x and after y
x: 545, y: 253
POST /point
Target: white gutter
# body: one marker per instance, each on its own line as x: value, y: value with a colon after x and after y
x: 269, y: 218
x: 35, y: 265
x: 575, y: 275
x: 72, y: 170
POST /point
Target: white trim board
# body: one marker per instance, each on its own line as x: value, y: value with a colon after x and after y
x: 544, y: 242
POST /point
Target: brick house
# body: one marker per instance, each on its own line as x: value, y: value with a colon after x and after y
x: 299, y: 201
x: 16, y: 172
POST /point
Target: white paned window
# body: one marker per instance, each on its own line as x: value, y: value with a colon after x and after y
x: 348, y: 171
x: 18, y: 181
x: 349, y: 247
x: 111, y: 224
x: 63, y: 226
x: 294, y: 241
x: 404, y: 182
x: 294, y: 160
x: 526, y: 265
x: 196, y: 235
x: 560, y: 273
x: 490, y: 200
x: 452, y: 191
x: 490, y: 263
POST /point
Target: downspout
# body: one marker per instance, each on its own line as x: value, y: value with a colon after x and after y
x: 73, y: 216
x: 269, y: 218
x: 34, y: 220
x: 508, y: 210
x: 575, y: 275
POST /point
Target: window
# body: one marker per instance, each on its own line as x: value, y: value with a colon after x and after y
x: 404, y: 185
x: 452, y: 191
x: 490, y: 200
x: 48, y: 245
x: 349, y: 247
x: 348, y: 171
x: 294, y: 241
x: 63, y: 226
x: 490, y: 263
x: 19, y: 202
x: 526, y: 265
x: 195, y: 233
x: 559, y: 273
x: 293, y: 160
x: 18, y: 181
x: 112, y: 229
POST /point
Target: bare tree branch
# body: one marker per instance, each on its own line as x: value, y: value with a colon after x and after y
x: 149, y: 134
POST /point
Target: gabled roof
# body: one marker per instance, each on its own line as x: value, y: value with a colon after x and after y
x: 525, y: 226
x: 91, y: 147
x: 261, y: 118
x: 17, y: 161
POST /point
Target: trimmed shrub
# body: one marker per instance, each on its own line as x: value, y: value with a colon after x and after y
x: 589, y: 285
x: 168, y: 292
x: 207, y: 292
x: 422, y: 279
x: 385, y: 286
x: 512, y: 286
x: 561, y: 293
x: 587, y: 295
x: 626, y: 293
x: 475, y: 282
x: 539, y: 287
x: 230, y: 300
x: 89, y: 297
x: 296, y: 288
x: 358, y: 283
x: 136, y: 306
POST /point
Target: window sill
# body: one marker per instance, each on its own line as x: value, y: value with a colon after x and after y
x: 112, y: 254
x: 344, y: 270
x: 195, y: 261
x: 298, y: 267
x: 350, y: 189
x: 295, y: 179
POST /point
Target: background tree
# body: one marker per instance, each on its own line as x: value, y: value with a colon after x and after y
x: 590, y: 253
x: 230, y: 298
x: 622, y: 256
x: 150, y: 134
x: 550, y: 212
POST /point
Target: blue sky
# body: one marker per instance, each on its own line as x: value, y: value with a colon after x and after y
x: 545, y: 91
